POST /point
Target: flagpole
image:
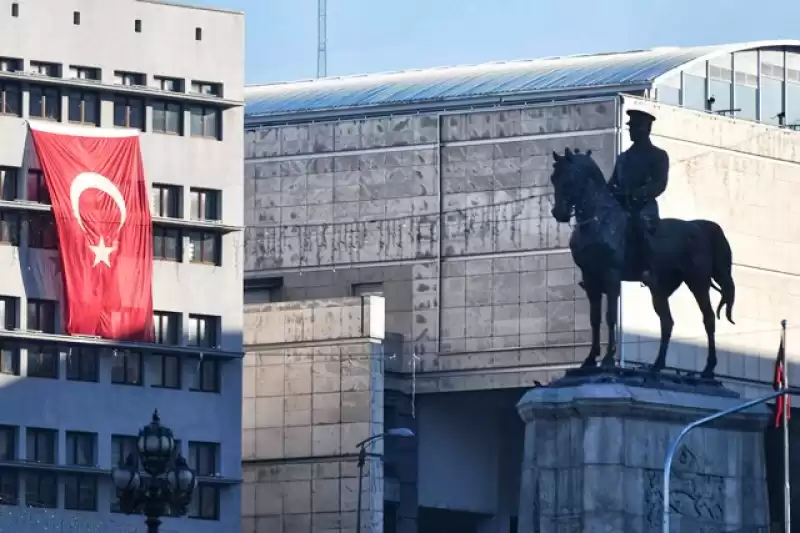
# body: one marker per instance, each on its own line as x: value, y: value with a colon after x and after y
x: 787, y: 496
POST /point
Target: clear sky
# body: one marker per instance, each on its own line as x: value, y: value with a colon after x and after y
x: 382, y: 35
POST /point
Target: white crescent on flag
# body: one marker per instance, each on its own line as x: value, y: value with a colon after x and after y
x: 91, y: 180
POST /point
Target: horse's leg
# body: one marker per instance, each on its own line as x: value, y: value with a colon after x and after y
x: 661, y: 306
x: 703, y: 298
x: 595, y: 320
x: 613, y: 286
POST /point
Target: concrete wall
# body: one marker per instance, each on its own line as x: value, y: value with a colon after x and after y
x: 313, y: 389
x: 105, y: 39
x: 743, y: 176
x: 334, y: 204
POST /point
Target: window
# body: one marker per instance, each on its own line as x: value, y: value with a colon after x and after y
x: 204, y: 247
x: 14, y: 9
x: 720, y: 76
x: 203, y: 331
x: 84, y: 108
x: 165, y: 200
x: 37, y: 187
x: 204, y: 121
x: 694, y: 87
x: 81, y: 448
x: 167, y: 118
x: 198, y: 34
x: 8, y: 312
x: 9, y: 353
x: 52, y: 70
x: 128, y: 112
x: 745, y: 88
x: 9, y: 228
x: 83, y: 364
x: 42, y: 361
x: 8, y: 443
x: 771, y: 86
x: 167, y: 244
x: 792, y: 89
x: 207, y: 378
x: 127, y: 368
x: 10, y: 99
x: 121, y: 447
x: 42, y: 231
x: 205, y: 204
x: 84, y: 73
x: 45, y: 103
x: 41, y: 315
x: 122, y: 77
x: 173, y: 85
x: 40, y: 445
x: 367, y: 289
x: 9, y: 359
x: 80, y: 492
x: 10, y: 64
x: 9, y: 478
x: 137, y: 26
x: 203, y: 458
x: 668, y: 90
x: 168, y: 371
x: 167, y: 327
x: 207, y: 89
x: 8, y: 183
x: 76, y: 18
x: 262, y: 291
x: 40, y: 490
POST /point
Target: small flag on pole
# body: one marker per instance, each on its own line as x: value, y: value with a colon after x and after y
x: 781, y: 382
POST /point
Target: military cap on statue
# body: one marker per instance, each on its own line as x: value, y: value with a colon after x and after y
x: 640, y: 117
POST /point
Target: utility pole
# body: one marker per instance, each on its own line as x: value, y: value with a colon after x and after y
x: 322, y: 38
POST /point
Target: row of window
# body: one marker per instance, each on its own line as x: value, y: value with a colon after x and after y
x: 129, y: 111
x: 80, y: 490
x: 83, y: 363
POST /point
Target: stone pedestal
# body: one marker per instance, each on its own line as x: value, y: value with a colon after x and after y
x: 595, y: 450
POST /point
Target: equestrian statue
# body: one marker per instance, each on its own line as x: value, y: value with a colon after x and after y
x: 618, y: 236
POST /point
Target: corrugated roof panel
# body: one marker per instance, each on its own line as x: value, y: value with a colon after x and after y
x: 464, y: 82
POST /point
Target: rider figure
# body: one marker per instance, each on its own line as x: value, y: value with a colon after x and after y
x: 640, y: 176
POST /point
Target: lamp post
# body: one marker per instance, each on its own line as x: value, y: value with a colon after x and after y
x: 156, y: 481
x: 362, y: 458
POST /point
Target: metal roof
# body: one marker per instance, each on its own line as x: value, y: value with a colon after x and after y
x: 509, y: 80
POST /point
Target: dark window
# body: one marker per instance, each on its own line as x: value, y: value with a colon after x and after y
x: 198, y: 34
x: 121, y: 447
x: 42, y: 231
x: 9, y: 359
x: 43, y: 361
x: 137, y: 26
x: 167, y: 244
x: 206, y: 89
x: 81, y: 448
x: 10, y: 64
x: 80, y: 492
x: 8, y: 312
x: 9, y: 353
x: 203, y: 458
x: 205, y: 204
x: 9, y: 227
x: 173, y: 85
x: 367, y: 289
x: 83, y: 364
x: 76, y: 18
x: 168, y: 371
x: 167, y: 327
x: 40, y: 490
x: 167, y: 118
x: 14, y: 9
x: 40, y: 445
x: 128, y: 112
x: 205, y: 502
x: 8, y: 443
x: 37, y: 187
x: 10, y: 99
x: 165, y: 200
x: 41, y: 315
x: 84, y: 108
x: 122, y: 77
x: 8, y: 183
x: 51, y: 70
x: 84, y: 73
x: 45, y: 103
x: 205, y: 122
x: 126, y: 368
x: 203, y: 331
x: 207, y: 378
x: 9, y: 486
x: 205, y: 247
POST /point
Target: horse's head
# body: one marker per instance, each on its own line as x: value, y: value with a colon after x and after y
x: 572, y: 172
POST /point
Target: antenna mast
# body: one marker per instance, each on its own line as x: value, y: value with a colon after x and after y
x: 322, y: 38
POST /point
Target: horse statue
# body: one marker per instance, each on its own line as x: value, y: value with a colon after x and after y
x: 694, y: 252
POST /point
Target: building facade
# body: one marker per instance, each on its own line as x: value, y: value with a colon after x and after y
x: 73, y: 404
x: 431, y: 188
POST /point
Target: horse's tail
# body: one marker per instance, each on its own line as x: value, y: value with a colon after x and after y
x: 722, y: 264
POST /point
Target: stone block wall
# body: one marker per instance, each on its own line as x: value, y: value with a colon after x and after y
x: 448, y: 216
x: 313, y: 389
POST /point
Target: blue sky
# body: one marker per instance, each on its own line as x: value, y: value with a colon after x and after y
x: 379, y: 35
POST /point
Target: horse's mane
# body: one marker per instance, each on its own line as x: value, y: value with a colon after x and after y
x: 588, y: 166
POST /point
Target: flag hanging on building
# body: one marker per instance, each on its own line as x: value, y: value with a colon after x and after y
x: 780, y: 381
x: 95, y: 178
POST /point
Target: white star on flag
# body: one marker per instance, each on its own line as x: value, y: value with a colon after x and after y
x: 102, y: 253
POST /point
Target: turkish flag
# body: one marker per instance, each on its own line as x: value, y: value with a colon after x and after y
x: 105, y: 236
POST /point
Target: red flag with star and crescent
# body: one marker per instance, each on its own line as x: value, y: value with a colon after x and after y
x: 100, y: 204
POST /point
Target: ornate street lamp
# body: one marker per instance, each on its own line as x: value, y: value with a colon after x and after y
x: 157, y: 481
